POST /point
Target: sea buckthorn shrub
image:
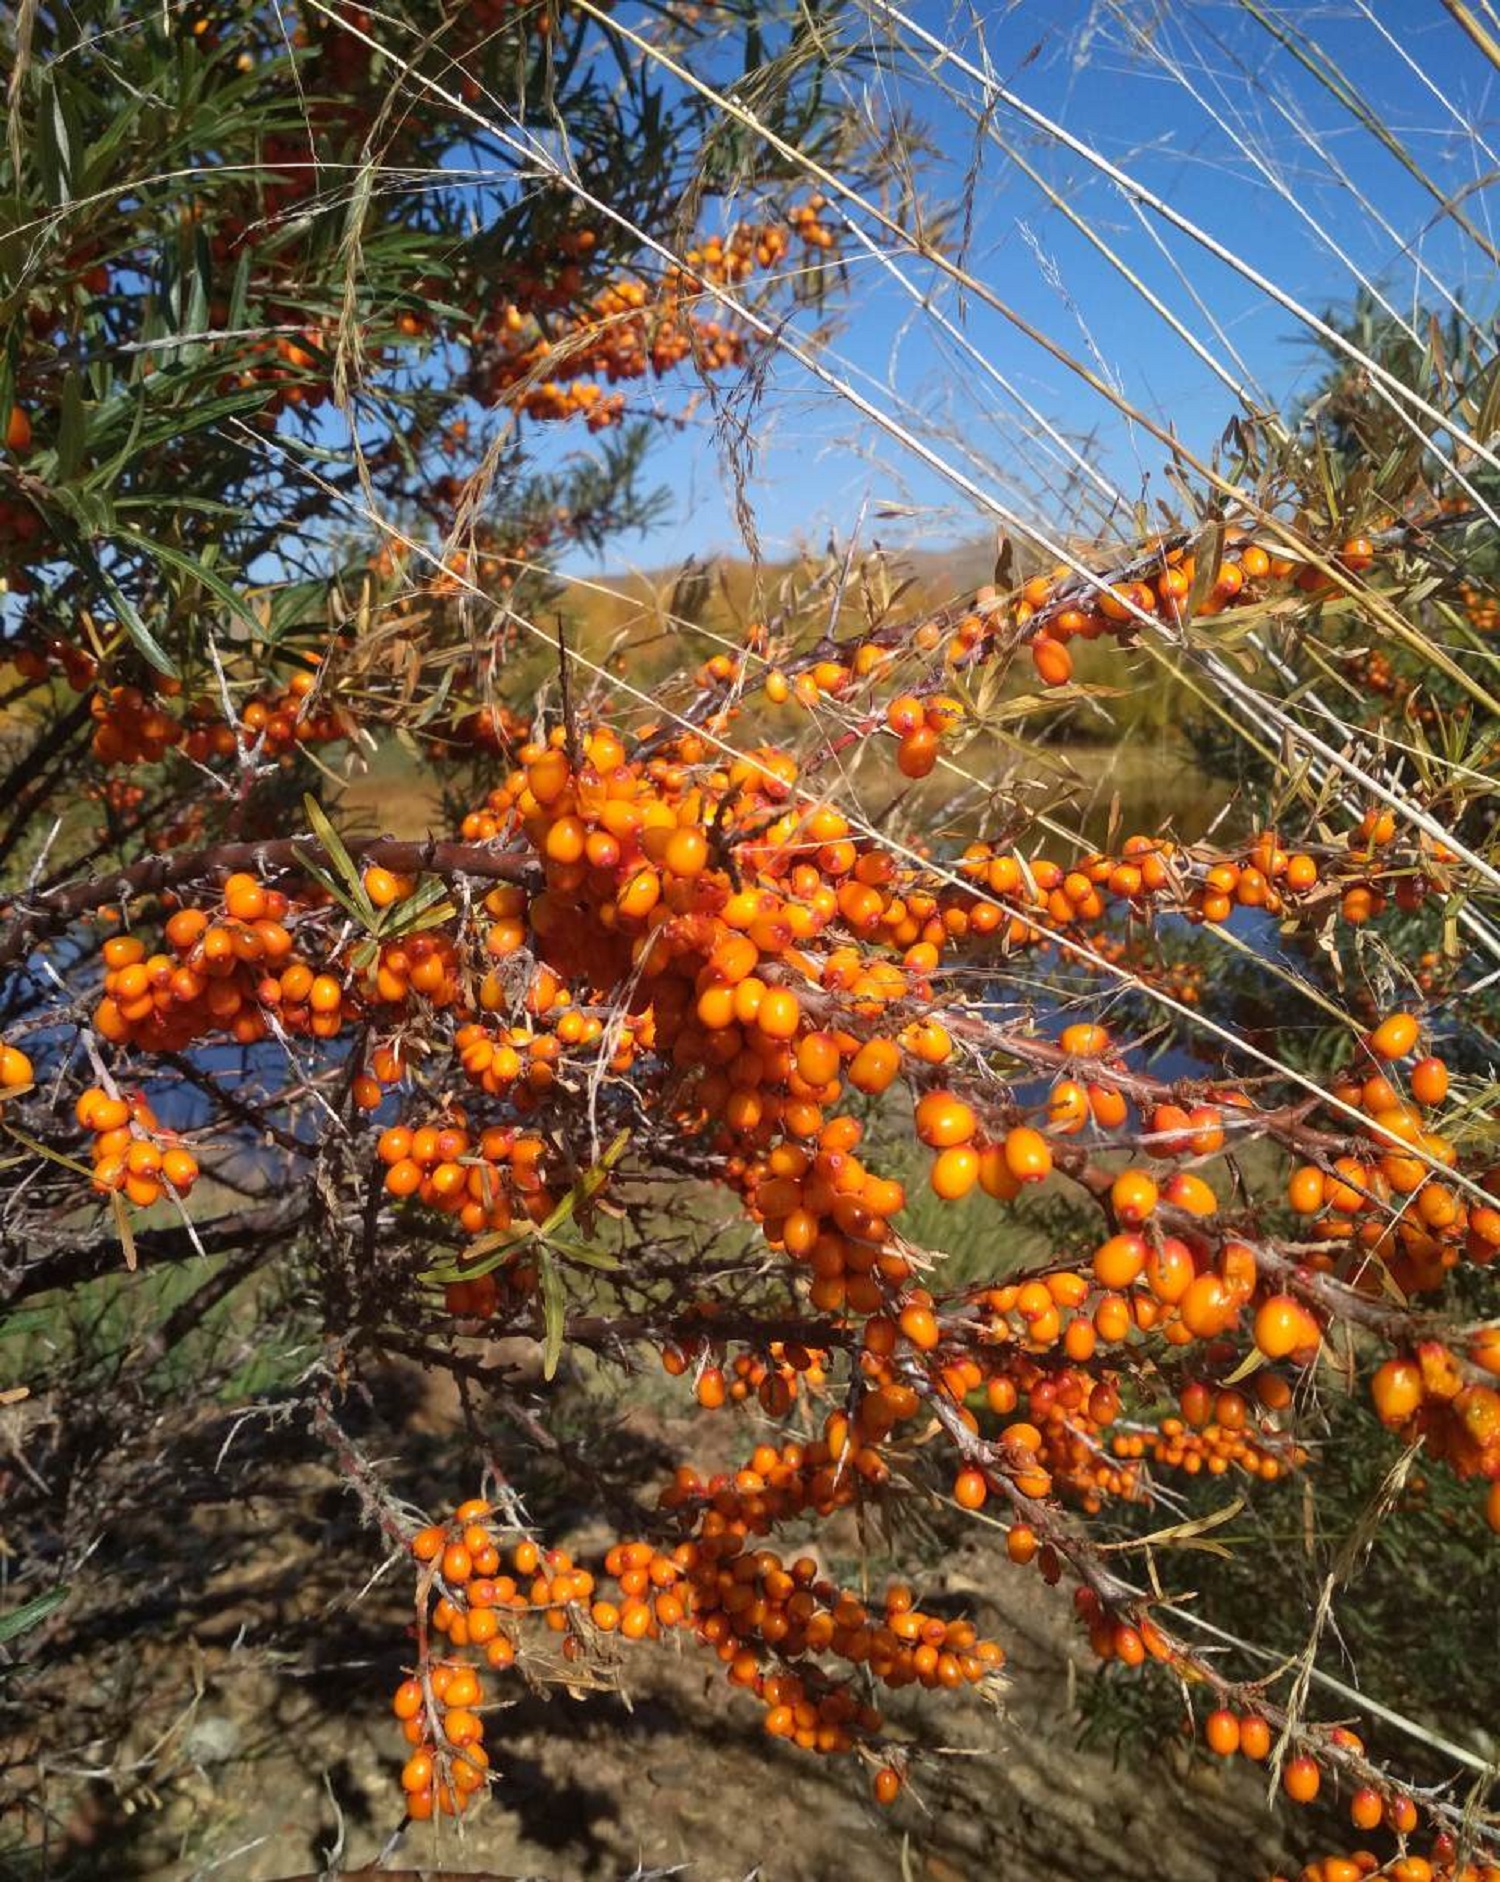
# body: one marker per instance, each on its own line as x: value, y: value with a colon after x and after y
x: 1118, y: 1196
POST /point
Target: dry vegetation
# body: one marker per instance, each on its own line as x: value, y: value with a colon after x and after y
x: 798, y: 1217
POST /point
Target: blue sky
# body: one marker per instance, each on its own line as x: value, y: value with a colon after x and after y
x: 819, y: 462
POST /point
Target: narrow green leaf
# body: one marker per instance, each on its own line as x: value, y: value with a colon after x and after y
x: 335, y: 888
x: 239, y: 293
x: 192, y: 566
x: 53, y: 1156
x: 32, y: 1613
x: 147, y: 644
x: 126, y: 1232
x: 72, y: 427
x: 553, y: 1313
x: 54, y: 144
x: 417, y: 924
x: 482, y: 1256
x: 587, y: 1186
x: 342, y: 861
x: 590, y: 1257
x: 422, y: 897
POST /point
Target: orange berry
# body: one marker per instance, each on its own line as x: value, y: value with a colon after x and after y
x: 1053, y: 662
x: 686, y: 852
x: 874, y: 1066
x: 943, y: 1120
x: 416, y: 1774
x: 15, y: 1068
x: 970, y: 1489
x: 920, y: 1326
x: 1307, y: 1190
x: 1283, y: 1325
x: 1301, y: 1780
x: 1133, y: 1196
x: 1119, y: 1261
x: 1222, y: 1731
x: 180, y: 1168
x: 1429, y: 1081
x: 404, y: 1178
x: 1021, y: 1543
x: 1207, y: 1308
x: 887, y: 1785
x: 1397, y: 1390
x: 955, y: 1171
x: 325, y: 995
x: 381, y: 886
x: 244, y: 898
x: 779, y: 1013
x: 818, y: 1058
x: 917, y: 753
x: 1028, y: 1156
x: 1393, y: 1038
x: 1255, y: 1738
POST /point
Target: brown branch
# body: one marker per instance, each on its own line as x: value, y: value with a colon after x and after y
x: 87, y: 1261
x: 46, y: 913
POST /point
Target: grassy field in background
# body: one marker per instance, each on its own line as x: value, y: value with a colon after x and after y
x: 652, y: 628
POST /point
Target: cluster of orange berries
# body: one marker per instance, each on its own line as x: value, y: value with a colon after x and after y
x: 1052, y: 610
x: 520, y: 1062
x: 1482, y: 609
x: 1441, y: 1865
x: 484, y: 1180
x: 130, y: 728
x: 1373, y: 673
x: 492, y: 729
x: 438, y: 1706
x: 744, y: 1602
x: 119, y: 796
x: 422, y: 964
x: 135, y: 726
x: 1059, y: 608
x: 297, y: 369
x: 1181, y: 979
x: 818, y: 1204
x: 773, y: 1378
x: 16, y: 1071
x: 222, y: 975
x: 1130, y: 1642
x: 1152, y: 873
x: 36, y: 662
x: 132, y: 1154
x: 819, y: 679
x: 552, y: 369
x: 768, y: 1622
x: 1387, y: 1202
x: 700, y: 887
x: 1216, y: 1434
x: 271, y: 722
x: 1432, y: 1394
x: 135, y: 730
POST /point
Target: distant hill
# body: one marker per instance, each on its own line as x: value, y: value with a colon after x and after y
x: 723, y: 594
